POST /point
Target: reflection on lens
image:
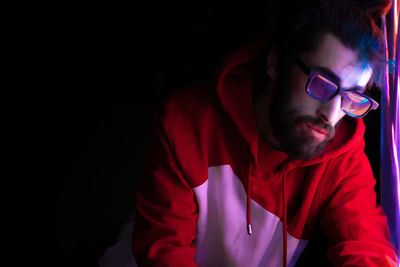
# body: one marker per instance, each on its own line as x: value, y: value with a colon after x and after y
x: 355, y: 104
x: 321, y: 87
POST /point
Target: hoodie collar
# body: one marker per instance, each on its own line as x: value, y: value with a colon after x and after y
x: 348, y: 134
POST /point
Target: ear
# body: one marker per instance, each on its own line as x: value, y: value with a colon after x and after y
x: 272, y: 63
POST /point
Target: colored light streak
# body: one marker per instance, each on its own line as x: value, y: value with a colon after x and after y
x: 396, y: 166
x: 390, y: 167
x: 396, y: 18
x: 396, y: 127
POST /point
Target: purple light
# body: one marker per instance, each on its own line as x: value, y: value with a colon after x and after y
x: 396, y: 166
x: 390, y: 173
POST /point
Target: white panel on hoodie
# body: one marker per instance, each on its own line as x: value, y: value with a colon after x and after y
x: 222, y: 238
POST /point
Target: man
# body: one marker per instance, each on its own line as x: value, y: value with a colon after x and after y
x: 241, y: 170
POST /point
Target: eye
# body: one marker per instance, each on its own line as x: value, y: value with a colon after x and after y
x: 321, y: 87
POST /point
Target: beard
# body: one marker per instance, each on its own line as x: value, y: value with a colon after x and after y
x: 286, y: 122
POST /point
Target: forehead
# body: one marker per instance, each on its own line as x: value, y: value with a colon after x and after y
x: 345, y: 63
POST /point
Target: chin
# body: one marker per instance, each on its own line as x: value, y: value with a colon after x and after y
x: 303, y: 147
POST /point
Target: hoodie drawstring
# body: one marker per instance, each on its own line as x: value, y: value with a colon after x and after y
x: 284, y: 207
x: 249, y: 229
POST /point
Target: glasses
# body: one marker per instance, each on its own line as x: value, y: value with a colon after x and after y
x: 323, y: 87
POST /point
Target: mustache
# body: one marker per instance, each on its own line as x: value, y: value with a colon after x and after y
x: 317, y: 122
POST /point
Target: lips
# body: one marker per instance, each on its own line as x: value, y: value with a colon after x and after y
x: 317, y: 132
x: 317, y: 129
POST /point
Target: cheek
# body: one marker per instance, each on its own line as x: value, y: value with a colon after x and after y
x: 299, y: 97
x: 306, y: 104
x: 340, y: 117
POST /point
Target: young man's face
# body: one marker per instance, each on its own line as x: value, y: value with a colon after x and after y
x: 302, y: 124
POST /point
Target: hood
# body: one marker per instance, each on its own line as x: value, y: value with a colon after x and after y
x: 239, y: 75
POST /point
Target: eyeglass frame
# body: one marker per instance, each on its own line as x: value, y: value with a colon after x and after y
x: 309, y: 72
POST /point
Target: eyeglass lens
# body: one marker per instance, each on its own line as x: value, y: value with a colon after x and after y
x: 323, y: 89
x: 355, y: 104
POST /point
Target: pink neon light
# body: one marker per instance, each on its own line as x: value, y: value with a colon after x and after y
x: 396, y: 18
x: 396, y: 165
x: 390, y: 169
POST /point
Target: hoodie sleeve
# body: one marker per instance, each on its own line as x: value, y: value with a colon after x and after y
x: 165, y: 225
x: 355, y: 225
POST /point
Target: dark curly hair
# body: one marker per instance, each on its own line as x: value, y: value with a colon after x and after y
x: 355, y: 22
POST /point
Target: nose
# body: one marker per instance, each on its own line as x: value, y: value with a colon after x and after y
x: 331, y: 111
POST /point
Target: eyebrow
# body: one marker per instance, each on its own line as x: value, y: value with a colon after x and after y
x: 331, y: 74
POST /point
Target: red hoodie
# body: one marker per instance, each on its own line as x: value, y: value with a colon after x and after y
x: 210, y: 180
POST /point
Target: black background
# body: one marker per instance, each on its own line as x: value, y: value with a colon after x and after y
x: 80, y: 84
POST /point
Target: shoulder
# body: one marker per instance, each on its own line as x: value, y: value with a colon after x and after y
x: 189, y: 103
